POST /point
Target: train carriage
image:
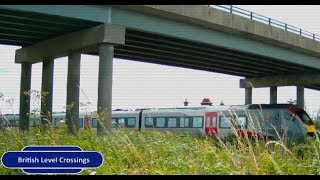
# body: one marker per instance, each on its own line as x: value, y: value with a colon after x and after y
x: 279, y: 121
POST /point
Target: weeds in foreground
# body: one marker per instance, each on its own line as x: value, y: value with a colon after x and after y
x: 127, y: 151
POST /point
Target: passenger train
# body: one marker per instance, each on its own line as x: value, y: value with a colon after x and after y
x: 256, y: 120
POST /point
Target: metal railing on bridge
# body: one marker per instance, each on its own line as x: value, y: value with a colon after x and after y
x: 266, y: 20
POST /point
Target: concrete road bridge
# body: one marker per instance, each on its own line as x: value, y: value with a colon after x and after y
x: 191, y: 36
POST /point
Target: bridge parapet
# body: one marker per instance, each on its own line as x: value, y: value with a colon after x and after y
x: 224, y: 21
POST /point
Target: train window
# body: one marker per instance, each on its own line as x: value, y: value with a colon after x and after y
x: 131, y: 122
x: 208, y: 124
x: 113, y: 123
x: 184, y: 122
x: 148, y: 122
x: 289, y: 116
x: 55, y: 122
x: 94, y: 123
x: 304, y: 117
x: 214, y: 121
x: 225, y: 122
x: 160, y: 122
x: 241, y: 121
x: 197, y: 122
x: 172, y: 122
x: 121, y: 122
x: 81, y: 122
x: 32, y: 123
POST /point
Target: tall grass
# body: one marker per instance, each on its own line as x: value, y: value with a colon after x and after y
x: 127, y: 151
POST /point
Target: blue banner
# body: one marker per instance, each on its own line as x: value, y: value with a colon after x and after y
x: 51, y: 148
x: 52, y: 159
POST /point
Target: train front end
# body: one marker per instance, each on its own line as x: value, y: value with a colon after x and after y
x: 305, y: 118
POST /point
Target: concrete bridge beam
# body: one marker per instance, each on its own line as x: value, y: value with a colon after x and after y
x: 25, y: 84
x: 281, y: 80
x: 81, y: 41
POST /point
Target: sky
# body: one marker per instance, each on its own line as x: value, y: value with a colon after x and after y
x: 139, y: 85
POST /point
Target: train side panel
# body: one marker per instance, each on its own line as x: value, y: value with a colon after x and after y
x: 177, y: 121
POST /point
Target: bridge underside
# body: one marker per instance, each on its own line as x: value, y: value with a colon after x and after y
x: 23, y: 29
x: 45, y: 37
x: 143, y: 46
x: 154, y: 48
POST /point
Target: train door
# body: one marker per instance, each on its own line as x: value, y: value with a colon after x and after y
x: 211, y: 123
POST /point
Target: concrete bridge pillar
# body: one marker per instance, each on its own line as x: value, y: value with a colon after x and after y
x: 248, y: 95
x: 47, y: 90
x: 273, y: 95
x: 73, y: 91
x: 104, y: 107
x: 100, y: 38
x: 300, y: 96
x: 25, y: 84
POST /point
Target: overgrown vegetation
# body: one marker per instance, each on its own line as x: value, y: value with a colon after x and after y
x: 127, y: 151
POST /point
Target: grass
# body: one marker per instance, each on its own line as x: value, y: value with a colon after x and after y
x: 127, y: 151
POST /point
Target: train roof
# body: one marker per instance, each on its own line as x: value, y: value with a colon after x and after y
x: 271, y: 106
x: 186, y: 108
x: 203, y: 108
x: 125, y: 112
x: 228, y: 107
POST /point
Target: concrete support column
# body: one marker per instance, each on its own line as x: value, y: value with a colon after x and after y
x: 248, y: 95
x: 273, y: 95
x: 300, y: 96
x: 25, y: 85
x: 106, y: 52
x: 47, y: 90
x: 73, y: 91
